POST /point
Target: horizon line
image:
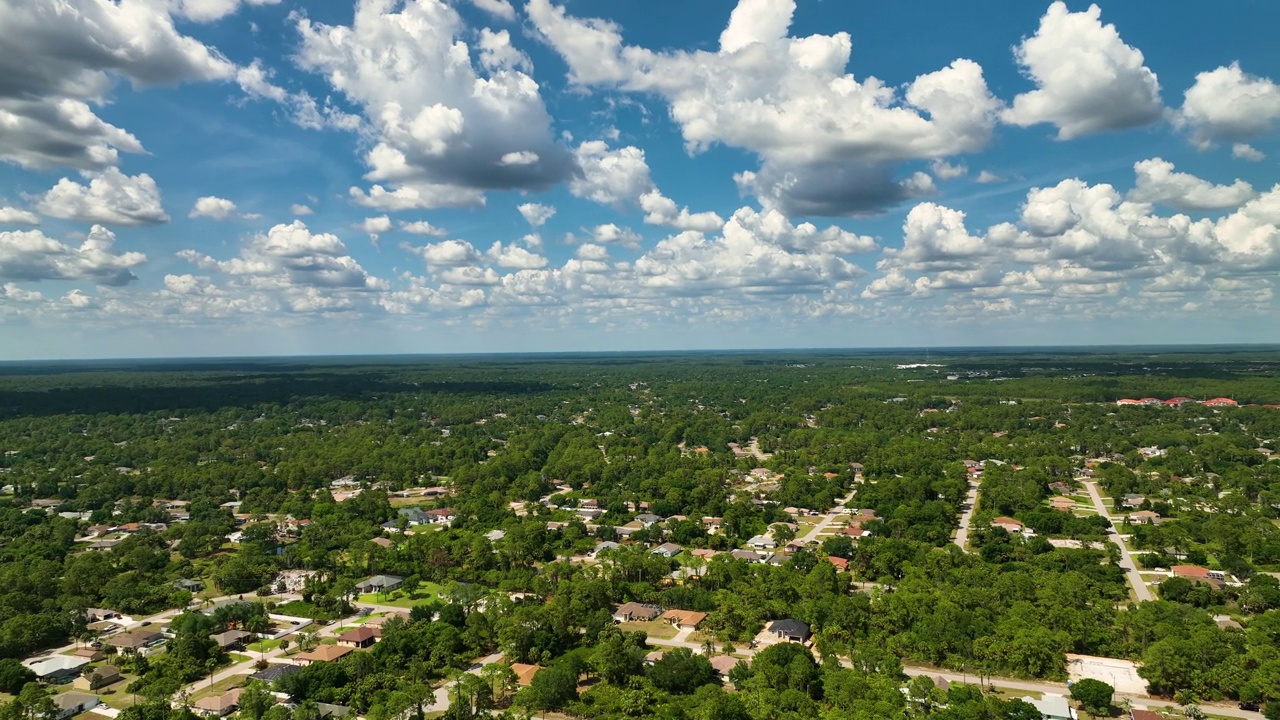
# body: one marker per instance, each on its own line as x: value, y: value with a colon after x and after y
x: 884, y: 349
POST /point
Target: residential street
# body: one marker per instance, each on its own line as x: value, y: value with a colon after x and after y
x: 966, y: 517
x: 1139, y: 586
x: 827, y: 519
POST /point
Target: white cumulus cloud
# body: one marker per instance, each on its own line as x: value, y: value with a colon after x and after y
x: 30, y: 255
x: 536, y: 214
x: 828, y: 143
x: 445, y: 129
x: 1158, y: 182
x: 1087, y: 79
x: 213, y: 207
x: 1228, y: 104
x: 17, y: 216
x: 110, y: 198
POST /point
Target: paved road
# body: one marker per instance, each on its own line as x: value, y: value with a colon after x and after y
x: 1139, y: 585
x: 827, y: 519
x: 971, y: 504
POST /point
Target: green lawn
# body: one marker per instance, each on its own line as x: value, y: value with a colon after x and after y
x: 237, y: 658
x: 299, y: 608
x: 425, y: 592
x: 263, y: 646
x: 653, y: 628
x: 219, y: 687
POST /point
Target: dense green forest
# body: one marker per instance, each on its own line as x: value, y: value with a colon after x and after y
x: 247, y: 449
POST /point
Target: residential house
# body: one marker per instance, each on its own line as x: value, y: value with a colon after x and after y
x: 1195, y: 573
x: 684, y: 619
x: 218, y: 705
x: 328, y: 710
x: 524, y: 673
x: 712, y: 524
x: 1052, y: 707
x: 275, y: 671
x: 231, y: 639
x: 192, y: 586
x: 636, y: 612
x: 1178, y: 401
x: 323, y: 653
x: 380, y: 584
x: 704, y: 553
x: 855, y: 531
x: 1143, y: 714
x: 723, y: 664
x: 762, y: 542
x: 1060, y: 488
x: 601, y: 547
x: 648, y: 519
x: 840, y: 563
x: 1220, y: 402
x: 441, y: 516
x: 1132, y: 500
x: 90, y: 653
x: 626, y: 531
x: 98, y: 677
x: 73, y: 703
x: 1065, y: 504
x: 1145, y: 517
x: 749, y: 556
x: 57, y: 669
x: 589, y: 513
x: 495, y: 535
x: 413, y: 516
x: 135, y: 641
x: 1007, y: 524
x: 361, y: 637
x: 382, y: 542
x: 667, y: 550
x: 789, y: 630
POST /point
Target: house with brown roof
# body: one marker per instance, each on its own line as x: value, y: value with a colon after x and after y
x: 1065, y: 504
x: 684, y: 619
x: 723, y: 664
x: 323, y: 653
x: 840, y: 563
x: 1007, y: 524
x: 135, y: 640
x: 99, y: 677
x: 1139, y: 714
x: 231, y: 639
x: 524, y: 673
x: 634, y: 611
x: 1195, y: 573
x: 1145, y: 517
x: 218, y: 705
x: 361, y: 637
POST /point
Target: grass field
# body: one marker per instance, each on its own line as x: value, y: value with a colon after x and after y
x: 425, y: 592
x: 263, y: 646
x: 219, y: 687
x: 653, y: 628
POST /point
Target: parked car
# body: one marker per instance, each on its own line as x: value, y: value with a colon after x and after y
x: 1250, y: 706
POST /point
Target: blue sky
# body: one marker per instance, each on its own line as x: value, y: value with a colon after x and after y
x: 232, y: 177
